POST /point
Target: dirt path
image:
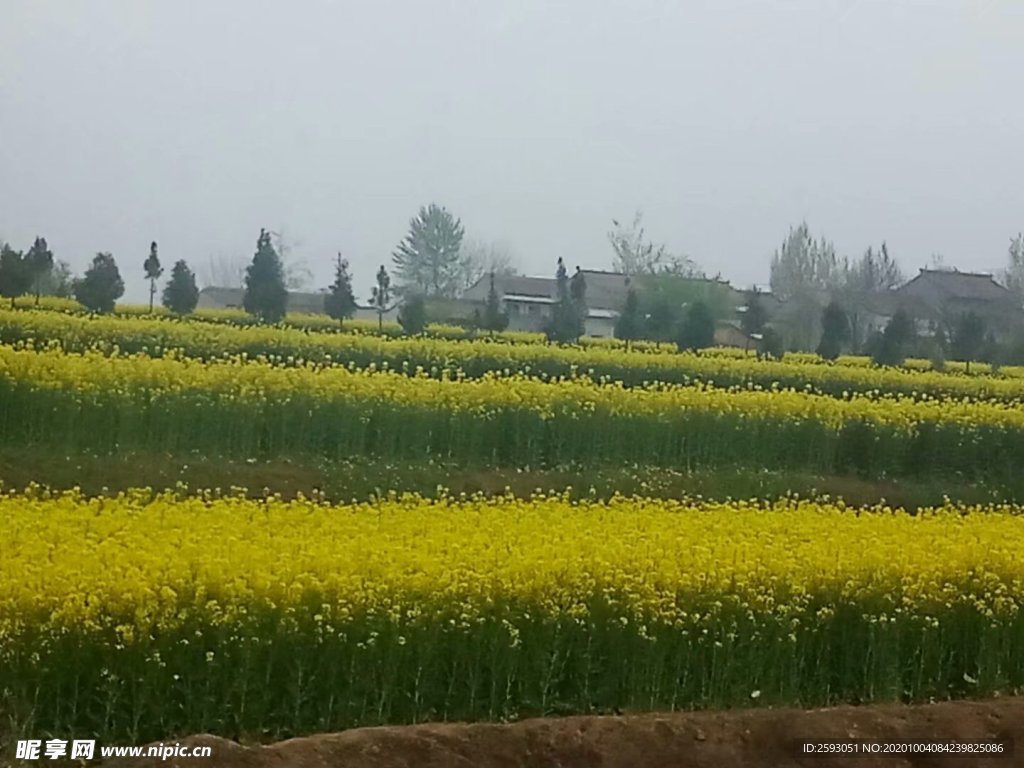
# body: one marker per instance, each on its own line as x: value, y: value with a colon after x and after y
x: 732, y: 739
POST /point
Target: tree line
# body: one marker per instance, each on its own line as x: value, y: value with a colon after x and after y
x: 823, y: 297
x: 823, y: 301
x: 36, y: 272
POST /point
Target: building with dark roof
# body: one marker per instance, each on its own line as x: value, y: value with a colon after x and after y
x: 528, y: 300
x: 937, y: 297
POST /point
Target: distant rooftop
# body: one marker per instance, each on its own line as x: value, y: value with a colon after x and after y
x: 953, y: 284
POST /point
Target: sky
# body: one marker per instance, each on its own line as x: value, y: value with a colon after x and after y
x: 197, y: 122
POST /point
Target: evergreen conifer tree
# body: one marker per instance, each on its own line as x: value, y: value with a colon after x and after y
x: 835, y: 331
x: 627, y: 325
x: 153, y: 272
x: 413, y: 315
x: 181, y: 294
x: 493, y: 319
x: 698, y: 328
x: 15, y: 274
x: 381, y: 295
x: 39, y: 261
x: 101, y: 285
x: 339, y: 301
x: 266, y: 296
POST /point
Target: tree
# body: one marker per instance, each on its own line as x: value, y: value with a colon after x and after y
x: 477, y: 259
x: 15, y: 274
x: 698, y: 329
x: 803, y: 263
x: 771, y: 344
x: 339, y: 301
x: 58, y: 281
x: 181, y: 294
x: 223, y: 271
x: 754, y: 316
x: 664, y: 298
x: 266, y: 296
x: 153, y: 272
x: 804, y: 271
x: 634, y: 255
x: 101, y: 285
x: 578, y: 294
x: 992, y: 352
x: 968, y: 338
x: 428, y: 261
x: 493, y: 318
x: 563, y: 326
x: 413, y: 315
x: 890, y: 347
x: 39, y: 261
x: 297, y: 274
x: 876, y: 272
x: 835, y: 331
x: 1013, y: 275
x: 381, y: 295
x: 627, y: 326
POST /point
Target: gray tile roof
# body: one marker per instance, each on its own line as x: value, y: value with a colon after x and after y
x: 941, y: 284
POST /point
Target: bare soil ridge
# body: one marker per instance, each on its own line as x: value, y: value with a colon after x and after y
x: 734, y: 738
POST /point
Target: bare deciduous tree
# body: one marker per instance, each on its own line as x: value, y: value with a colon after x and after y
x: 223, y: 271
x: 479, y: 258
x: 634, y: 255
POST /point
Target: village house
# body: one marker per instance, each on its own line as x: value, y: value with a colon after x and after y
x: 937, y: 297
x: 528, y: 300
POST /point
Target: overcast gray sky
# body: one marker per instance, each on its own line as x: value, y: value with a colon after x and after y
x: 196, y: 123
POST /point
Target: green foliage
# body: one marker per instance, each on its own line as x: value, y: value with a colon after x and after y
x: 493, y: 319
x: 266, y: 296
x: 628, y: 326
x: 578, y: 294
x: 835, y: 331
x: 153, y: 271
x: 771, y: 345
x: 876, y: 272
x: 754, y: 316
x: 39, y: 261
x: 565, y: 324
x: 937, y: 356
x: 101, y: 285
x: 1013, y: 275
x: 992, y: 352
x: 428, y: 260
x: 663, y: 299
x: 413, y: 315
x: 698, y: 329
x: 803, y: 264
x: 339, y: 301
x: 381, y: 295
x: 15, y: 273
x: 58, y: 282
x: 803, y: 272
x: 661, y: 320
x: 968, y: 338
x: 890, y: 347
x: 181, y: 294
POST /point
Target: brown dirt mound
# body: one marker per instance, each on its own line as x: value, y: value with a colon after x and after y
x: 734, y: 738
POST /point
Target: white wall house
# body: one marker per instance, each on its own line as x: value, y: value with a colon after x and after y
x: 528, y: 300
